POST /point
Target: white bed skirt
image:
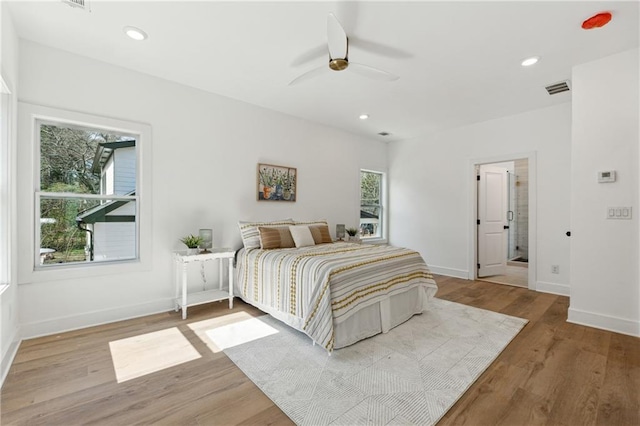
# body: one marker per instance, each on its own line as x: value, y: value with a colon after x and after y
x: 380, y: 317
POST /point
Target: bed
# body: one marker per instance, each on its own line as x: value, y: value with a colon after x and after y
x: 336, y: 293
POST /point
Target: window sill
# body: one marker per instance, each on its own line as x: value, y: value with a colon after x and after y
x: 73, y: 271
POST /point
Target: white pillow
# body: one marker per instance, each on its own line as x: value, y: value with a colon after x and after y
x: 302, y: 236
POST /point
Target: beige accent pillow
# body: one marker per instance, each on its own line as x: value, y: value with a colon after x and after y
x: 301, y: 236
x: 251, y: 236
x: 320, y: 234
x: 276, y: 237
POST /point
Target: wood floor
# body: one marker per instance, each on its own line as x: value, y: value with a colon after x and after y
x: 552, y: 373
x: 514, y: 275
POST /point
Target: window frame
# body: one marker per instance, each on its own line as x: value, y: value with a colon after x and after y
x: 31, y: 117
x: 382, y: 219
x: 6, y: 168
x: 46, y: 195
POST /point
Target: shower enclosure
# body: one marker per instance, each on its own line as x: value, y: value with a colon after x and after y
x: 518, y: 212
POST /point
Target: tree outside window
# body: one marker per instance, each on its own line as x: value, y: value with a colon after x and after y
x: 371, y: 208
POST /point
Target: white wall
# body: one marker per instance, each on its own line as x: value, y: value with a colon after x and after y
x: 431, y: 184
x: 604, y: 253
x: 205, y: 149
x: 9, y: 329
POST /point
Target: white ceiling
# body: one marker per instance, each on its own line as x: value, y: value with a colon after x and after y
x: 458, y: 62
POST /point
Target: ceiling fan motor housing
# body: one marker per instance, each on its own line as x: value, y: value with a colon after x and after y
x: 338, y: 64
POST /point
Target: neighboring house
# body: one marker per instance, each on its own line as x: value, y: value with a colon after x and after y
x: 368, y: 223
x: 111, y: 227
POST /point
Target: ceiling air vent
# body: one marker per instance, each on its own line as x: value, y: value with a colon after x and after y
x: 80, y: 4
x: 556, y: 88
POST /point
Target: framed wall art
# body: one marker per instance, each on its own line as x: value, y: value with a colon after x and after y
x: 276, y: 183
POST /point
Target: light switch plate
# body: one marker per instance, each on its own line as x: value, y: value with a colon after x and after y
x: 619, y: 212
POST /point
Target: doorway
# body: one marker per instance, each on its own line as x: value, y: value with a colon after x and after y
x: 504, y: 221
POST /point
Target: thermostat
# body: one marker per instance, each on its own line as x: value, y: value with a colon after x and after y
x: 608, y: 176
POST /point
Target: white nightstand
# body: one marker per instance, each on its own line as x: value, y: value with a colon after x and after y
x: 180, y: 261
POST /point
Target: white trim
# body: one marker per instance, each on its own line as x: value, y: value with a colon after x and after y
x: 9, y: 356
x: 29, y: 116
x: 473, y: 211
x: 6, y: 186
x: 449, y: 272
x: 4, y: 87
x: 95, y: 318
x: 604, y: 322
x: 553, y: 288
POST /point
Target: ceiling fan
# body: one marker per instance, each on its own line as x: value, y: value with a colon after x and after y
x: 338, y: 45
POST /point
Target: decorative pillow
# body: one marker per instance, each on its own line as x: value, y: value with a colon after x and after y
x: 301, y: 235
x: 250, y: 234
x: 313, y: 222
x: 320, y: 234
x: 276, y: 237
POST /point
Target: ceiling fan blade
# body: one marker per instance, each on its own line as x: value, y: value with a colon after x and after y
x: 379, y: 48
x: 309, y: 75
x: 336, y: 38
x: 371, y: 72
x: 310, y: 55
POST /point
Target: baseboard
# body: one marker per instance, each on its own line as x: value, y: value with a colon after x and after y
x: 9, y: 356
x: 90, y: 319
x: 604, y: 322
x: 553, y: 288
x: 449, y: 272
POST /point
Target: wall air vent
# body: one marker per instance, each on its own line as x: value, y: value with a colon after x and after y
x: 556, y: 88
x: 80, y: 4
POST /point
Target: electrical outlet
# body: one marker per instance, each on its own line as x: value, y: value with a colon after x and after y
x: 555, y: 269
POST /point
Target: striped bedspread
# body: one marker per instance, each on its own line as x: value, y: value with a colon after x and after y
x: 310, y: 288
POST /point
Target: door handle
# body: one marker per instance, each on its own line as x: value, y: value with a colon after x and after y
x: 506, y: 226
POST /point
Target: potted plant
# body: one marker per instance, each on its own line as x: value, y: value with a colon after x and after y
x: 267, y: 180
x: 352, y: 232
x: 192, y: 242
x: 287, y: 184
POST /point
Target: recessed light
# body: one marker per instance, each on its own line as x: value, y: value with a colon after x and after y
x: 363, y: 116
x: 135, y: 33
x: 530, y: 61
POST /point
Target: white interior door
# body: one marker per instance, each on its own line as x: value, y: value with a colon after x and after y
x: 492, y: 214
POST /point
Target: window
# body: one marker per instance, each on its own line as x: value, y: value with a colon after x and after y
x: 86, y: 201
x: 371, y: 204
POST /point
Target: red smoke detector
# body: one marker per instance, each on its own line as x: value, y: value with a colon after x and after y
x: 597, y: 21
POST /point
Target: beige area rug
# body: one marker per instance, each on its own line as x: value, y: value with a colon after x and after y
x: 411, y: 375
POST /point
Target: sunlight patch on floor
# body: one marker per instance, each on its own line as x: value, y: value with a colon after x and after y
x: 231, y: 330
x: 147, y: 353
